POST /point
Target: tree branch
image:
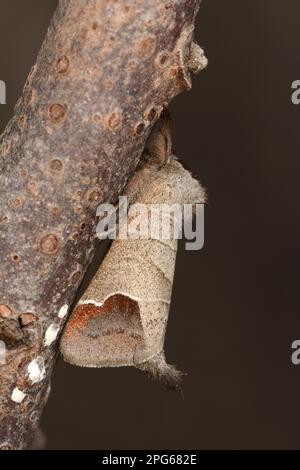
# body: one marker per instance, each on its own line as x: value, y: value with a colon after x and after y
x: 104, y: 73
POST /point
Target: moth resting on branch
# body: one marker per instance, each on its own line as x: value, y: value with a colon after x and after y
x: 122, y: 317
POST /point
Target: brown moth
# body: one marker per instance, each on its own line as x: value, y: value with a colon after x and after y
x: 122, y: 317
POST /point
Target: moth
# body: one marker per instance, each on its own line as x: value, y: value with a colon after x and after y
x: 122, y: 317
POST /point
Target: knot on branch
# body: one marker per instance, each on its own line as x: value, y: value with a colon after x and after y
x: 18, y: 330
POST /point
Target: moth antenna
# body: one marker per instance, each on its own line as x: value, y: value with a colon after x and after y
x: 158, y: 370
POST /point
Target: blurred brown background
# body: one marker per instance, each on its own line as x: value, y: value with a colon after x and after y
x: 235, y: 309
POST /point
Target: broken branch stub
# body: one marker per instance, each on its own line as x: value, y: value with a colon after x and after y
x: 102, y: 77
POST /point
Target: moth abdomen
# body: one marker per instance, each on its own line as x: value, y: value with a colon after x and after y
x: 158, y: 370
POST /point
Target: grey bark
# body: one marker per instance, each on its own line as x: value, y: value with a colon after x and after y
x: 104, y: 73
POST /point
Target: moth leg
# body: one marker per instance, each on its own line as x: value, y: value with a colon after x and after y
x: 157, y: 369
x: 157, y: 153
x: 39, y: 442
x: 158, y: 148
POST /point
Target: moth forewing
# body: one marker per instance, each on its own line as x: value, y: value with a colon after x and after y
x: 122, y: 317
